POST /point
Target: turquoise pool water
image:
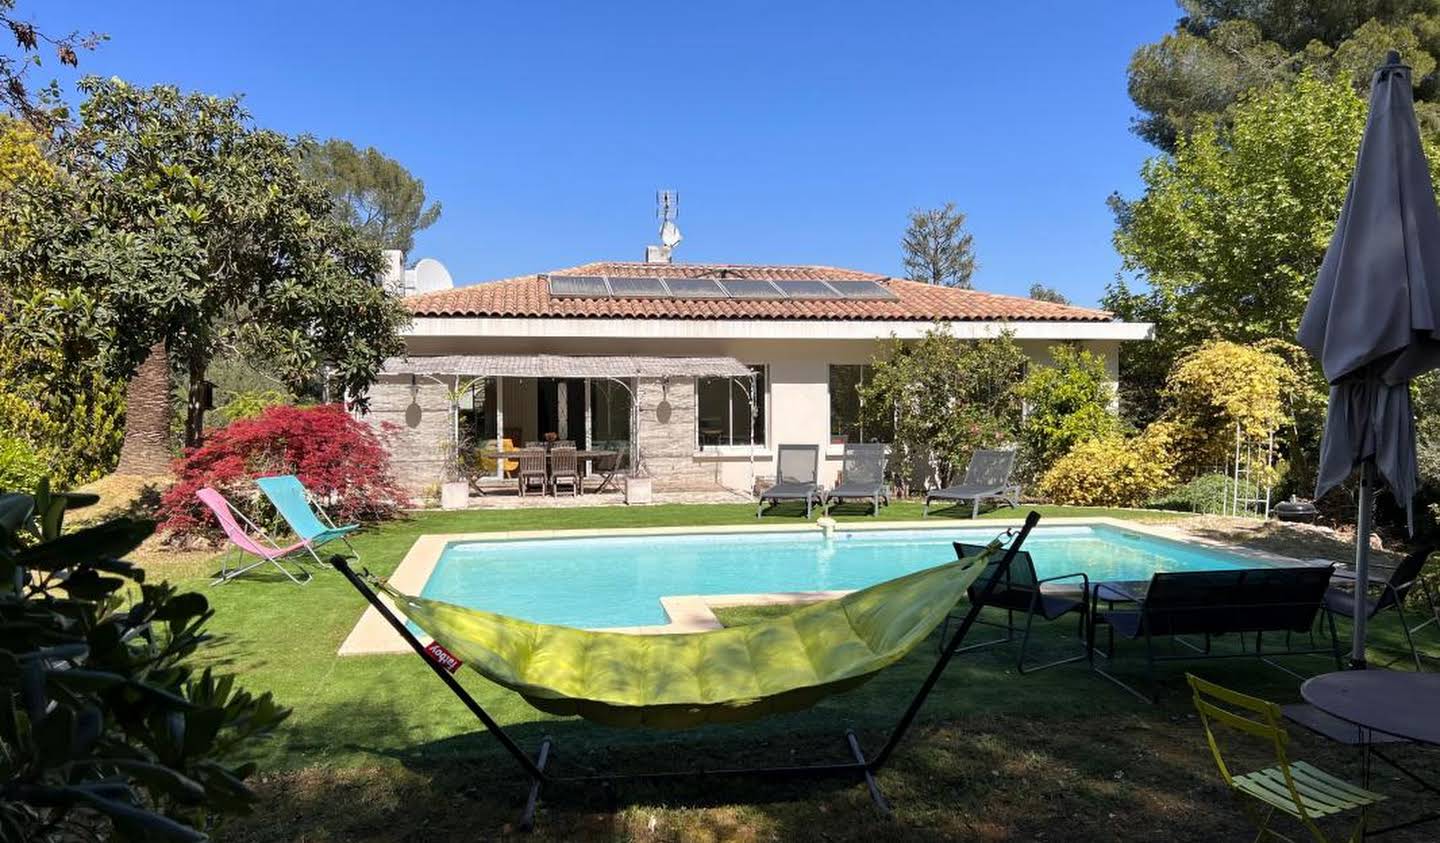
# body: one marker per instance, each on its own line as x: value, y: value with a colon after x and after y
x: 618, y: 581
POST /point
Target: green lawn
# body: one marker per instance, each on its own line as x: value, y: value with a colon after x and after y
x: 377, y: 749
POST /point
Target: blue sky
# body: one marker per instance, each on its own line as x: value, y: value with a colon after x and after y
x: 795, y: 133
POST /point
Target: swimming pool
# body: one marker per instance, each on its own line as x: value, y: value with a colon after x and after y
x: 618, y: 580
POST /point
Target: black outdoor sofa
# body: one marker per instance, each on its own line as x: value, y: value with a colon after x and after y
x: 1283, y: 602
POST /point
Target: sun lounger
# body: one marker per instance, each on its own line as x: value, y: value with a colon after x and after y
x: 986, y: 478
x: 259, y: 545
x: 293, y: 503
x: 798, y: 469
x: 862, y: 477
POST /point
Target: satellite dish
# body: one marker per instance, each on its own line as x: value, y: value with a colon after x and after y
x: 670, y: 234
x: 431, y: 275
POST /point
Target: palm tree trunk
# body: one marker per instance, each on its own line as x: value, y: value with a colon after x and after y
x: 146, y: 448
x: 196, y: 403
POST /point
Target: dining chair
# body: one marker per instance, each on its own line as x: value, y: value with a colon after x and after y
x: 1295, y: 788
x: 564, y: 468
x: 532, y: 469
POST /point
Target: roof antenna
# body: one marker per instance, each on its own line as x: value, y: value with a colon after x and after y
x: 667, y: 208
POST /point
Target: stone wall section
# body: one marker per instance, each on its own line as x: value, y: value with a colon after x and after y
x: 417, y: 424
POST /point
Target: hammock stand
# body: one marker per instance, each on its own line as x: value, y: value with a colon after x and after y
x: 862, y: 768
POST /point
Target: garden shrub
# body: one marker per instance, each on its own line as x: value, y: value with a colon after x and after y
x: 109, y: 729
x: 252, y: 402
x: 945, y: 397
x: 1067, y: 402
x: 1221, y: 386
x: 1206, y: 493
x: 1113, y: 470
x: 341, y: 460
x: 20, y: 466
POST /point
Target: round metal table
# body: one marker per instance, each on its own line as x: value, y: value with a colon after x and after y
x: 1406, y: 705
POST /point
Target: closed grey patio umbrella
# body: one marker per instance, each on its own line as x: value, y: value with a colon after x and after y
x: 1373, y: 319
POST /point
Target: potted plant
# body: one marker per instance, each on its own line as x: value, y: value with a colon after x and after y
x: 455, y: 490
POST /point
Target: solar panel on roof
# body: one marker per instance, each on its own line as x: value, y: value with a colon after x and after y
x: 694, y: 288
x: 862, y: 291
x: 638, y: 288
x: 578, y: 286
x: 749, y: 289
x: 806, y: 289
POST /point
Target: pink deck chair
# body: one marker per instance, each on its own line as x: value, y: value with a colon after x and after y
x: 259, y: 545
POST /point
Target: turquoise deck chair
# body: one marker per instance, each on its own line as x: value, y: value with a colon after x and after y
x: 290, y: 499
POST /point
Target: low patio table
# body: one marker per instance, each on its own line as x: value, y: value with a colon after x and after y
x: 1392, y: 702
x: 607, y: 476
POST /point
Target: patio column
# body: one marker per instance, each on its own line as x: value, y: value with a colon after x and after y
x: 589, y: 432
x: 562, y: 409
x: 499, y: 424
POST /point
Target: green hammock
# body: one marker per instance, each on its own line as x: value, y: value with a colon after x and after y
x: 682, y: 680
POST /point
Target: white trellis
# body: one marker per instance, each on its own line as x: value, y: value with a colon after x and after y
x: 1249, y: 475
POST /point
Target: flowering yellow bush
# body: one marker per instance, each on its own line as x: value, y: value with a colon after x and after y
x: 1113, y: 470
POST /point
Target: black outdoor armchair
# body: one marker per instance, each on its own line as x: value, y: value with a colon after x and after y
x: 1393, y: 590
x: 1020, y: 590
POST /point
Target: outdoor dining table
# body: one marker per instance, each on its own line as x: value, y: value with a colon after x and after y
x: 607, y: 474
x: 1392, y: 702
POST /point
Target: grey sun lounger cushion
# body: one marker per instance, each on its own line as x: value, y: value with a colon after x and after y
x: 986, y: 478
x: 797, y: 469
x: 862, y: 476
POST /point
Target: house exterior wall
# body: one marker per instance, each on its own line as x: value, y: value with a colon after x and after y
x: 797, y: 402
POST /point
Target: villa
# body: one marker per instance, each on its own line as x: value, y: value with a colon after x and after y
x: 666, y: 354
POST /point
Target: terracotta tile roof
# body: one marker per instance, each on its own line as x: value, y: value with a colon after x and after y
x: 529, y: 296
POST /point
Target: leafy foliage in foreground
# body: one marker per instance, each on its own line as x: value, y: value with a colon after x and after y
x: 340, y: 459
x: 104, y: 726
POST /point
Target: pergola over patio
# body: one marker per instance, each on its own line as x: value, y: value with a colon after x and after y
x: 460, y: 371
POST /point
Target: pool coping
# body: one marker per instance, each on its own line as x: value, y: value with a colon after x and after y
x: 693, y: 612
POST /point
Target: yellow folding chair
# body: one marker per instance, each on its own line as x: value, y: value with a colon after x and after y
x: 1301, y: 790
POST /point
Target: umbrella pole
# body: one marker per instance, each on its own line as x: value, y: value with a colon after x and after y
x: 1362, y: 562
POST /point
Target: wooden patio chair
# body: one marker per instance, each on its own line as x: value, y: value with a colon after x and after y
x: 564, y: 468
x: 531, y: 470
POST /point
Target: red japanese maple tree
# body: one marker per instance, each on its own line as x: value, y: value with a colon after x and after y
x: 342, y: 461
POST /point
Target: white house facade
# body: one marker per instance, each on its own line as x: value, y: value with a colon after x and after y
x: 696, y: 371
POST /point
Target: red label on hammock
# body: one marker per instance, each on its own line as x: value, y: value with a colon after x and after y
x: 442, y: 657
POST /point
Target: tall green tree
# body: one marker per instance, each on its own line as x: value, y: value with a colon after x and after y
x: 1044, y: 292
x: 1231, y: 228
x: 372, y: 192
x: 191, y: 232
x: 937, y: 249
x: 1221, y: 49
